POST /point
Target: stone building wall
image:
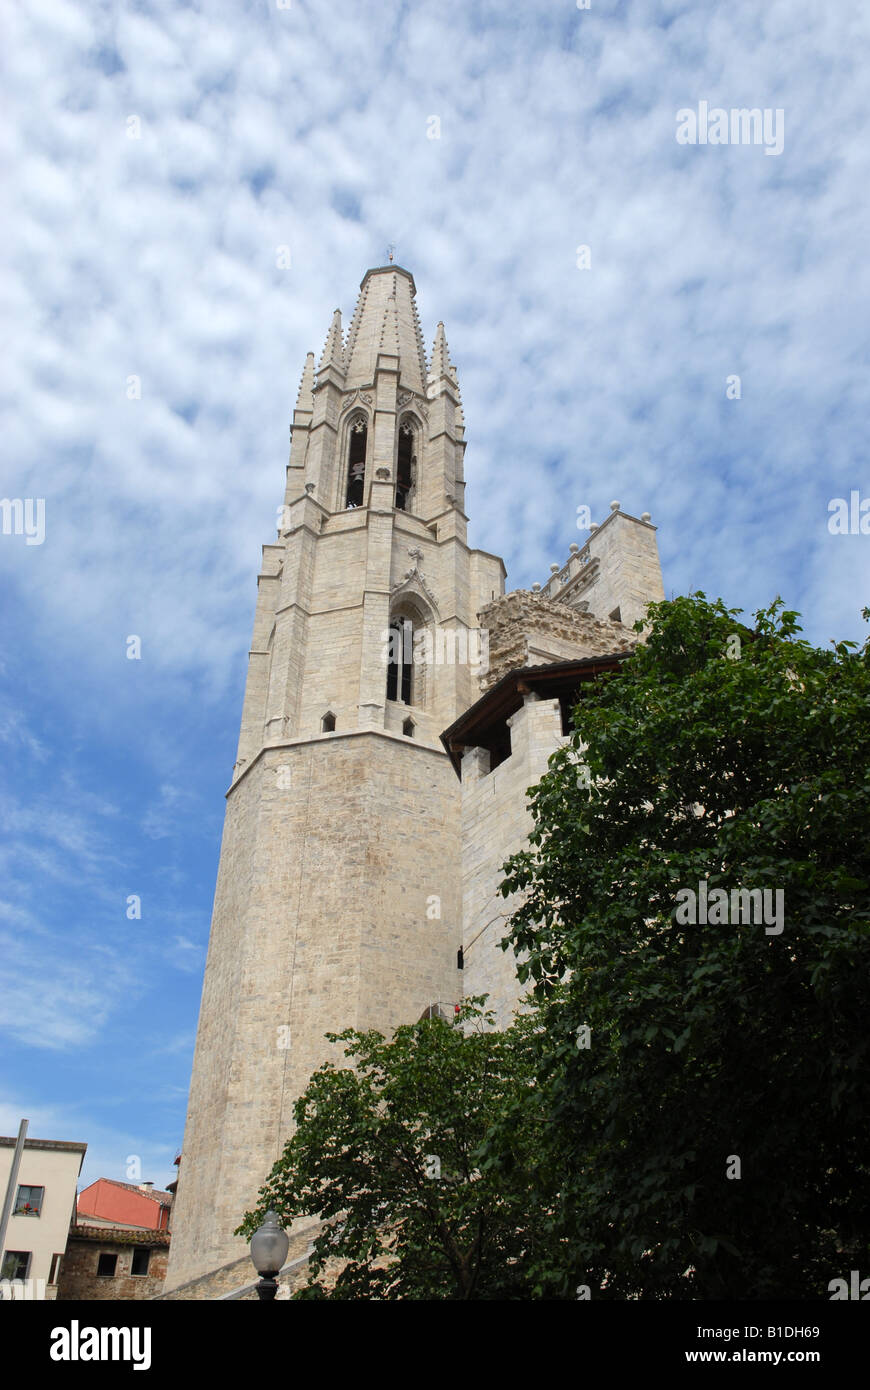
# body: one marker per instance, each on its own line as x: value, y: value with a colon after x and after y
x: 237, y: 1280
x: 323, y: 921
x: 79, y: 1278
x: 617, y: 571
x: 495, y: 824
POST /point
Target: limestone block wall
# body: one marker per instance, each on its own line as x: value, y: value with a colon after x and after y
x: 495, y: 824
x: 319, y: 643
x: 337, y: 905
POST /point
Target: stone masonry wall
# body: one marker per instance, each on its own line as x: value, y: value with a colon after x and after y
x: 617, y: 570
x: 526, y: 629
x: 495, y: 824
x: 337, y: 905
x: 79, y: 1278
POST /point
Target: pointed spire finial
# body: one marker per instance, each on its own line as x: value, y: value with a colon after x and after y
x: 333, y: 354
x: 441, y: 364
x: 305, y: 399
x: 390, y: 249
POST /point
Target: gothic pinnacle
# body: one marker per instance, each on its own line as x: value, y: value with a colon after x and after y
x: 305, y: 399
x: 441, y: 364
x: 333, y: 354
x: 442, y: 368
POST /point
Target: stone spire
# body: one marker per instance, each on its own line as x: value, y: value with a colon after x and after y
x: 442, y: 369
x: 305, y: 399
x: 441, y: 364
x: 386, y: 292
x: 333, y: 355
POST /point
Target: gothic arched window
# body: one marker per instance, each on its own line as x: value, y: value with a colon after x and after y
x: 400, y: 660
x: 405, y: 466
x: 356, y: 462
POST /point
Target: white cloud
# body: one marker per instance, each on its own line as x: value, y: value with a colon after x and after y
x: 156, y: 257
x: 51, y: 999
x: 108, y: 1147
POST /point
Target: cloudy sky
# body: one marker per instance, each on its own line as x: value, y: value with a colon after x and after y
x: 157, y: 157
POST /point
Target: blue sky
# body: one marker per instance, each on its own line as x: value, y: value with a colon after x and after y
x: 309, y: 127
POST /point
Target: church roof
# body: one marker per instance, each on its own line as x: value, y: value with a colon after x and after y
x: 554, y: 681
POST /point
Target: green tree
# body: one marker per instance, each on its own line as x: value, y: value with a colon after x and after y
x: 387, y: 1154
x: 738, y: 756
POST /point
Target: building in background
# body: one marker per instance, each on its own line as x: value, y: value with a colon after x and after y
x: 119, y: 1245
x: 113, y: 1262
x: 42, y: 1212
x: 136, y: 1205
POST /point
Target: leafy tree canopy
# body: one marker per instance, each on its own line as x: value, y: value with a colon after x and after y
x: 387, y: 1153
x: 734, y: 757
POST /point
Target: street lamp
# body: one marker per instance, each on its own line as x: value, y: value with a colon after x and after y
x: 269, y: 1246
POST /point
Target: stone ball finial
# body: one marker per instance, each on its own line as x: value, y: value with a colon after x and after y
x: 554, y: 569
x: 614, y: 506
x: 645, y: 516
x: 593, y: 526
x: 573, y: 547
x: 536, y: 588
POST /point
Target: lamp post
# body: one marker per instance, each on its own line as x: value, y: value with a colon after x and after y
x: 269, y: 1246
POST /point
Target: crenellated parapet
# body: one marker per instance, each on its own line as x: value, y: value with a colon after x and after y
x: 615, y: 574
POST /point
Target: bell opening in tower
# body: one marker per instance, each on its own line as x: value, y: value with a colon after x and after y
x: 356, y: 464
x: 399, y: 664
x: 405, y: 466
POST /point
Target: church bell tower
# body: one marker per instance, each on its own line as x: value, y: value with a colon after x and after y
x: 338, y: 898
